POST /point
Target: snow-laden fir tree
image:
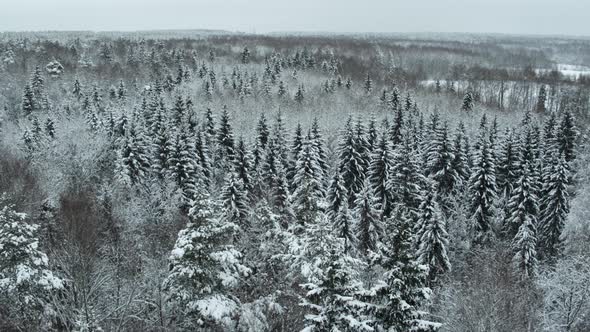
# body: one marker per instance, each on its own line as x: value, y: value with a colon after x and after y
x: 242, y: 166
x: 26, y: 282
x: 482, y: 186
x: 406, y: 181
x: 262, y: 136
x: 467, y: 102
x: 235, y: 202
x: 161, y: 151
x: 225, y: 141
x: 399, y: 297
x: 440, y: 159
x: 461, y: 149
x: 28, y: 101
x: 204, y: 269
x: 308, y: 191
x: 345, y: 227
x: 567, y: 135
x: 379, y: 174
x: 523, y: 204
x: 524, y: 247
x: 133, y: 159
x: 369, y: 228
x: 368, y: 84
x: 352, y: 161
x: 318, y: 142
x: 509, y: 167
x: 432, y: 239
x: 183, y: 166
x: 336, y: 196
x: 555, y: 203
x: 333, y: 290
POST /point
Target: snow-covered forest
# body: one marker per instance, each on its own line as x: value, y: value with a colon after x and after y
x: 213, y: 181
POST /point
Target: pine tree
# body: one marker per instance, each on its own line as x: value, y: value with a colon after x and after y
x: 555, y: 203
x: 204, y: 268
x: 179, y: 111
x: 432, y: 237
x: 369, y: 228
x: 482, y: 186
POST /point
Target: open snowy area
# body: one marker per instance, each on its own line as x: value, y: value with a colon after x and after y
x: 190, y: 166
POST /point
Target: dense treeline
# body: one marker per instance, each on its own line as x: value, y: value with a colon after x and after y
x: 189, y: 188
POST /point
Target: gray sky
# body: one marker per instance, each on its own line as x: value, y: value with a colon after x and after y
x: 570, y: 17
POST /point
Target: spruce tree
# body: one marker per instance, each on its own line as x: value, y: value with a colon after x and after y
x: 523, y: 204
x: 235, y: 202
x: 380, y: 172
x: 483, y: 190
x: 400, y: 296
x: 352, y: 158
x: 308, y: 193
x: 555, y: 203
x: 567, y: 135
x: 467, y: 102
x: 204, y: 267
x: 337, y: 195
x: 133, y: 162
x: 432, y: 237
x: 440, y: 157
x: 28, y: 103
x: 369, y: 228
x: 524, y: 247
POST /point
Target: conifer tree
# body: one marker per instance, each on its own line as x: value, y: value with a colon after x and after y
x: 27, y: 281
x: 337, y: 195
x: 162, y: 149
x: 555, y: 205
x: 509, y: 164
x: 344, y: 227
x: 380, y: 172
x: 235, y: 202
x: 243, y: 166
x: 432, y: 237
x: 524, y: 247
x: 567, y: 135
x: 333, y: 295
x: 440, y: 157
x: 399, y: 297
x: 523, y: 204
x: 204, y: 268
x: 368, y: 84
x: 352, y: 160
x: 225, y: 139
x: 483, y: 190
x: 299, y: 95
x: 308, y: 192
x: 541, y: 99
x: 369, y: 228
x: 28, y: 103
x: 467, y: 102
x: 184, y: 167
x: 133, y: 161
x: 405, y: 184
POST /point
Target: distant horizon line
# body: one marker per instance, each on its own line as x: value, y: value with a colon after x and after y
x: 302, y: 32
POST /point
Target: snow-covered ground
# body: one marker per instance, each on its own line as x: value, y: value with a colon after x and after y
x: 568, y: 70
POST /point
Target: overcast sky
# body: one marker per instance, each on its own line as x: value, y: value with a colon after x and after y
x: 555, y: 17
